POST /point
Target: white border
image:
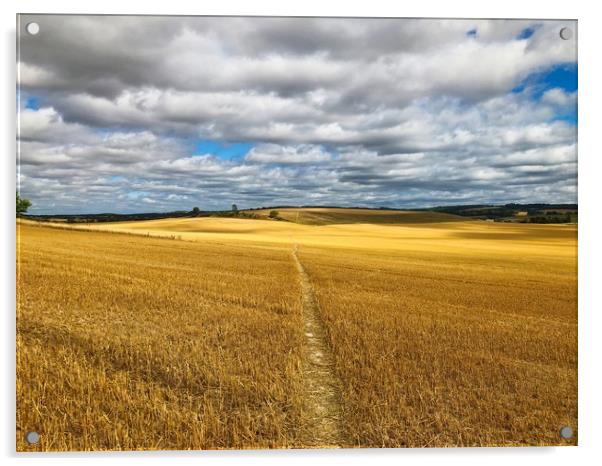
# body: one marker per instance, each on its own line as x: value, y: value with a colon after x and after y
x: 590, y: 213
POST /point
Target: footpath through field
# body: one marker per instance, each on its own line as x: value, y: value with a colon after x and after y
x: 323, y: 412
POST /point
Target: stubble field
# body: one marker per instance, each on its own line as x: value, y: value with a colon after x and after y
x: 127, y: 342
x: 245, y: 333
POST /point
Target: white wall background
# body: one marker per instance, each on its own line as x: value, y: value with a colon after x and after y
x: 590, y: 199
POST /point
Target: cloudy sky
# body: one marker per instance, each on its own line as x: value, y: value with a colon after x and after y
x: 146, y: 114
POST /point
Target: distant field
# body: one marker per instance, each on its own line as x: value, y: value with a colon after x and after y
x: 435, y: 332
x: 329, y: 216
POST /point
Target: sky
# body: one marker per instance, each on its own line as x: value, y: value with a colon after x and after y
x: 151, y: 114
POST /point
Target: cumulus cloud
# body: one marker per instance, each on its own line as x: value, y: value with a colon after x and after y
x: 335, y: 111
x: 273, y: 153
x: 559, y: 97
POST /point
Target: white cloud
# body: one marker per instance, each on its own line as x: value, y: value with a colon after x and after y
x: 338, y: 111
x: 560, y: 98
x: 273, y: 153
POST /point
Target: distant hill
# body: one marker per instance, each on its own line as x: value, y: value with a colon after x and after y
x: 328, y: 215
x: 337, y: 215
x: 517, y: 213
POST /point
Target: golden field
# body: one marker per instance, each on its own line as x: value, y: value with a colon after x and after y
x: 127, y: 342
x: 192, y: 332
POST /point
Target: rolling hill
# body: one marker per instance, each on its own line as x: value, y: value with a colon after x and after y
x: 334, y: 215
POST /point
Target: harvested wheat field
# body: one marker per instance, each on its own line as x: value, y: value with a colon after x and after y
x: 308, y: 332
x: 127, y: 342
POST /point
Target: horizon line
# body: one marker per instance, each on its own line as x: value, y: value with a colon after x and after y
x: 307, y: 206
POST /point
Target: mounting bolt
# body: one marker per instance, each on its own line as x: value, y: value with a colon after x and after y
x: 32, y: 437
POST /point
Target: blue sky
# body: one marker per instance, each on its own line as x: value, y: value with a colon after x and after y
x: 28, y: 100
x: 389, y: 112
x: 562, y: 76
x: 222, y: 149
x: 526, y: 33
x: 32, y: 103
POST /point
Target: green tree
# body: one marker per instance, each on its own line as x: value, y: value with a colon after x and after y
x: 234, y: 209
x: 273, y: 214
x: 196, y: 210
x: 22, y: 205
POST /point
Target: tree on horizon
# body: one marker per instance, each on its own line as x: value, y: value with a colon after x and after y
x: 22, y: 205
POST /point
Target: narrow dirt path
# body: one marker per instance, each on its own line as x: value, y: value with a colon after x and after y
x: 323, y: 425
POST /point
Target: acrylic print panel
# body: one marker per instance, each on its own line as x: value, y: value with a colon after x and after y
x: 245, y: 232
